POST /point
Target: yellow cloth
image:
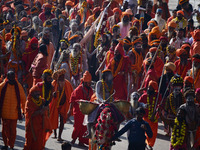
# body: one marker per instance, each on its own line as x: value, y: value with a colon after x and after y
x: 9, y: 109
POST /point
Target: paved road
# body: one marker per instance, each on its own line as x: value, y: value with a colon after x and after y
x: 162, y: 141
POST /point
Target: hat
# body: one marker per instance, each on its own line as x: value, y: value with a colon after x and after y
x: 153, y: 49
x: 58, y: 73
x: 170, y: 66
x: 86, y: 77
x: 181, y: 2
x: 185, y: 45
x: 96, y: 9
x: 154, y: 85
x: 129, y: 11
x: 180, y: 51
x: 139, y: 40
x: 69, y: 3
x: 125, y: 14
x: 189, y: 79
x: 117, y: 10
x: 172, y: 24
x: 180, y: 12
x: 196, y: 35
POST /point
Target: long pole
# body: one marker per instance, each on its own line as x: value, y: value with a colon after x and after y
x: 150, y: 65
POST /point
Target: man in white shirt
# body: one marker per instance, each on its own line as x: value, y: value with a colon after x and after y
x: 158, y: 17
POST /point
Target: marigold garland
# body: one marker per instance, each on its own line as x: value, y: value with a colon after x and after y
x: 75, y: 64
x: 151, y: 108
x: 172, y: 105
x: 96, y: 38
x: 178, y: 133
x: 37, y: 102
x: 118, y: 67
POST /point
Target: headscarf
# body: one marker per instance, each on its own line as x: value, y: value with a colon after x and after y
x: 196, y: 35
x: 86, y: 77
x: 120, y: 48
x: 32, y: 90
x: 189, y: 79
x: 47, y: 5
x: 180, y: 51
x: 156, y: 31
x: 172, y: 24
x: 34, y: 40
x: 185, y: 45
x: 152, y: 21
x: 180, y: 12
x: 154, y: 85
x: 117, y: 10
x: 58, y: 73
x: 171, y: 66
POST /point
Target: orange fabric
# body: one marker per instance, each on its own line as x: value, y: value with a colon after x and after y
x: 9, y: 110
x: 152, y: 21
x: 89, y: 21
x: 63, y: 109
x: 154, y: 85
x: 154, y: 31
x: 117, y: 10
x: 34, y: 125
x: 195, y: 48
x: 154, y: 128
x: 196, y: 35
x: 138, y: 61
x: 35, y: 81
x: 96, y: 9
x: 153, y: 49
x: 182, y: 70
x: 158, y: 65
x: 180, y: 12
x: 86, y: 77
x: 189, y: 79
x: 172, y: 24
x: 47, y: 5
x: 70, y: 3
x: 9, y: 131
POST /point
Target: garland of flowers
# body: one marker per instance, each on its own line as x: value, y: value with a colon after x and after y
x: 118, y: 67
x: 74, y: 63
x: 14, y: 42
x: 37, y: 102
x: 151, y: 108
x: 173, y: 105
x: 104, y: 91
x: 60, y: 97
x: 43, y: 93
x: 108, y: 57
x: 96, y: 38
x: 178, y: 133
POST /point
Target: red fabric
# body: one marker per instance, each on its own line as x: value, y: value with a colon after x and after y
x: 181, y: 69
x: 158, y: 65
x: 109, y: 56
x: 151, y: 75
x: 119, y: 82
x: 79, y: 129
x: 43, y: 18
x: 120, y: 48
x: 30, y: 54
x: 9, y: 132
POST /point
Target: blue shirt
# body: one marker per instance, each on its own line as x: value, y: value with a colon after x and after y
x: 136, y: 134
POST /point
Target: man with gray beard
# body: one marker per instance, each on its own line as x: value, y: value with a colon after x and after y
x: 36, y: 24
x: 158, y: 17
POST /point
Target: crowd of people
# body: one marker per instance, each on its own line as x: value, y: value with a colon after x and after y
x: 54, y: 53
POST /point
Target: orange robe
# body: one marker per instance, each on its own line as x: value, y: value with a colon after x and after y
x: 182, y: 70
x: 196, y: 79
x: 55, y: 108
x: 153, y: 125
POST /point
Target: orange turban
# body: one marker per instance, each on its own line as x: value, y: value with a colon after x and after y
x: 47, y: 5
x: 106, y: 70
x: 196, y: 35
x: 181, y: 2
x: 185, y: 45
x: 24, y: 33
x: 96, y: 9
x: 23, y: 19
x: 153, y: 49
x: 152, y: 21
x: 156, y: 31
x: 180, y: 51
x: 154, y: 85
x: 125, y: 14
x: 120, y: 48
x: 86, y: 77
x: 172, y: 24
x: 129, y: 11
x: 189, y: 79
x: 69, y: 3
x: 117, y: 10
x: 155, y: 42
x: 180, y: 12
x: 8, y: 36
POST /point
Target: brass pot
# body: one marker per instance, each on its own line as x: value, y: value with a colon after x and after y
x: 122, y: 105
x: 86, y: 107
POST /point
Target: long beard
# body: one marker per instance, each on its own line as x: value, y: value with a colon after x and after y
x: 157, y: 18
x: 35, y: 27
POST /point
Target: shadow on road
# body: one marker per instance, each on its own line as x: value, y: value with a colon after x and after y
x: 163, y: 137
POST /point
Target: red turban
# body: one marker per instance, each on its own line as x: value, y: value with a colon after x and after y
x: 180, y: 51
x: 90, y: 2
x: 24, y: 33
x: 120, y: 48
x: 86, y: 77
x: 185, y: 45
x: 34, y: 40
x: 69, y: 3
x: 117, y: 10
x: 189, y: 79
x: 172, y: 24
x: 96, y: 9
x: 180, y: 12
x: 8, y: 36
x: 154, y: 85
x: 153, y: 49
x: 196, y: 35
